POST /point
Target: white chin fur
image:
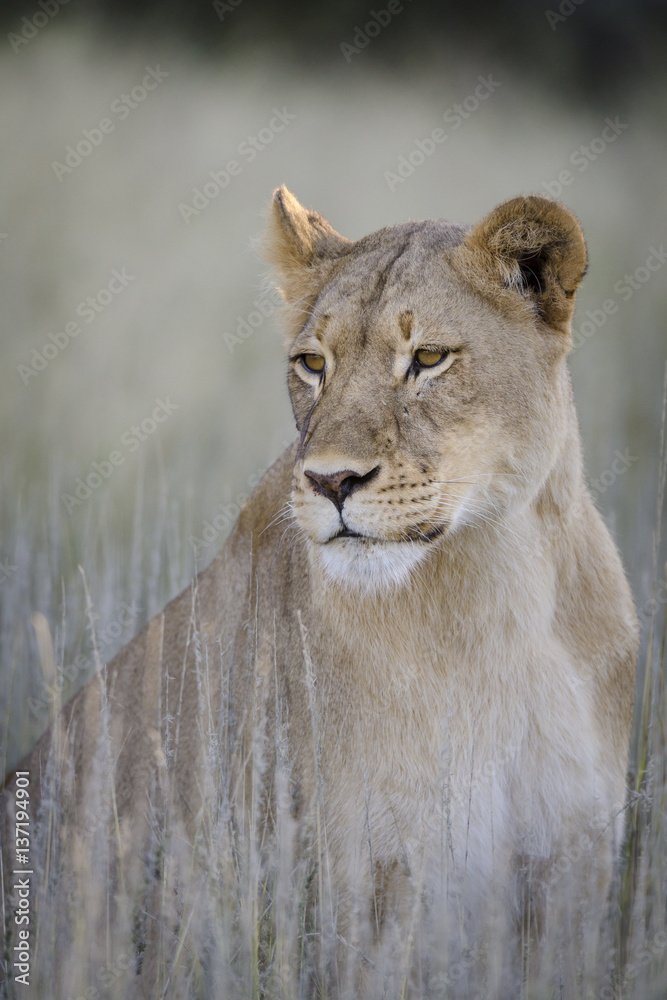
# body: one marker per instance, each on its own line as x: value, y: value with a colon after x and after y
x: 368, y: 565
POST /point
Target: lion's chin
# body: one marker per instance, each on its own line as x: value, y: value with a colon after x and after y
x: 368, y: 564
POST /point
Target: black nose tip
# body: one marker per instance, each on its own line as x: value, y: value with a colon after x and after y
x: 337, y: 486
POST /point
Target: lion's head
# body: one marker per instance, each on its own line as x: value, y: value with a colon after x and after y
x: 427, y: 376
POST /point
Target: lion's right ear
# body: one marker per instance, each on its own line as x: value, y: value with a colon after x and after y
x: 298, y: 245
x: 529, y: 245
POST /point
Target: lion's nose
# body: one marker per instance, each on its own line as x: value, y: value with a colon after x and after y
x: 337, y: 486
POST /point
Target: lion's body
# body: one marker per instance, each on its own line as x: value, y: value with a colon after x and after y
x: 450, y: 695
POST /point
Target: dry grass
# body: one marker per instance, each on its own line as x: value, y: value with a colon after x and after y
x: 239, y: 912
x: 239, y: 915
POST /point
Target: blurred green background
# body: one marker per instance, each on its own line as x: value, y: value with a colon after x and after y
x: 114, y: 115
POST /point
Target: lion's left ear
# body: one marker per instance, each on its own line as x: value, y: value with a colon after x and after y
x: 529, y: 245
x: 296, y: 242
x: 300, y: 246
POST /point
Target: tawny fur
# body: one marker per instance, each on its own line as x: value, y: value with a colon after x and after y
x: 466, y: 666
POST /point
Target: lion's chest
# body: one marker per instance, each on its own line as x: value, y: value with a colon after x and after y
x: 460, y: 765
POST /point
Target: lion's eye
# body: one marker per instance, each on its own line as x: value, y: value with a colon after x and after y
x: 429, y: 359
x: 313, y: 363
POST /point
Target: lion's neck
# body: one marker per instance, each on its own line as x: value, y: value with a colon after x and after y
x: 486, y: 578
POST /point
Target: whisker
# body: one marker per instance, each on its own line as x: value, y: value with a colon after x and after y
x: 473, y: 506
x: 496, y: 521
x: 287, y: 510
x: 477, y: 475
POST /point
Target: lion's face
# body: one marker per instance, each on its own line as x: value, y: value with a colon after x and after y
x: 423, y: 406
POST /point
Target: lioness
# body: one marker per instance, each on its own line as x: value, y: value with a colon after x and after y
x: 420, y: 619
